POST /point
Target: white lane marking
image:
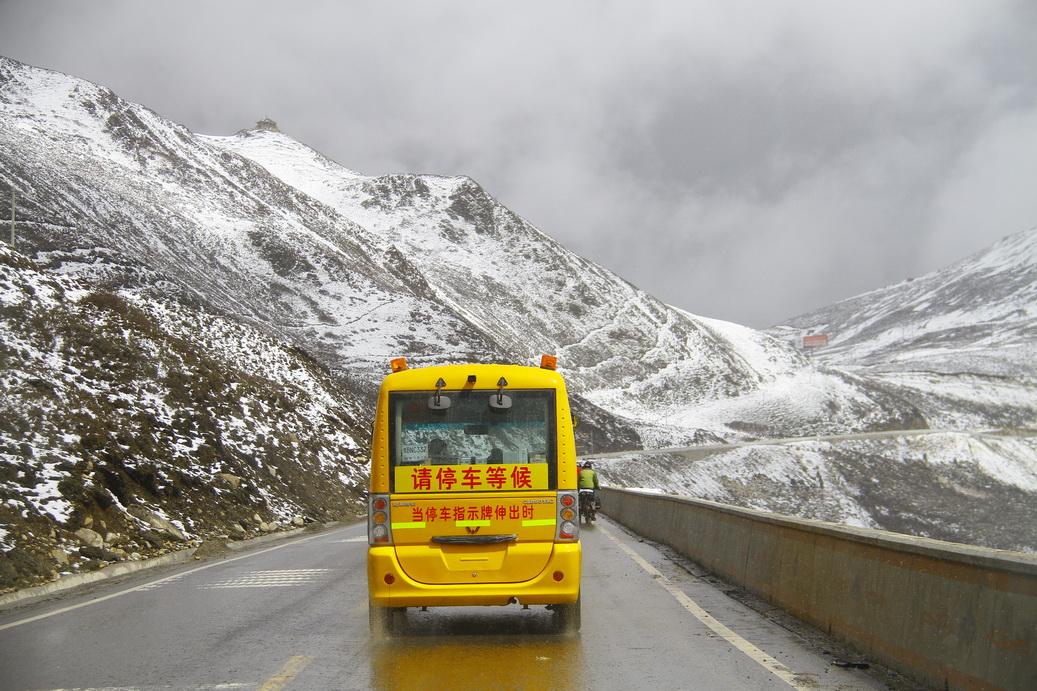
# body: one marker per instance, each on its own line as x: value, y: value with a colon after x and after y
x: 755, y: 654
x: 270, y: 579
x: 159, y: 584
x: 153, y: 584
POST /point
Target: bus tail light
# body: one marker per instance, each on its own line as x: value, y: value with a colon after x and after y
x: 378, y: 523
x: 567, y: 520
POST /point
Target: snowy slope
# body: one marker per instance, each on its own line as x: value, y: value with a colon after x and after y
x: 960, y: 343
x: 507, y: 277
x: 957, y: 346
x: 117, y: 409
x: 621, y: 348
x: 971, y: 489
x: 357, y: 270
x: 977, y: 316
x: 255, y: 244
x: 115, y: 193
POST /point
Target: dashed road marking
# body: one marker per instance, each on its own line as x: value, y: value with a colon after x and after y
x: 270, y: 579
x: 159, y: 584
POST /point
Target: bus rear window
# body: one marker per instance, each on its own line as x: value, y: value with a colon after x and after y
x: 472, y: 427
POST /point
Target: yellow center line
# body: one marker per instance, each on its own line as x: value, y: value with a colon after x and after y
x: 287, y: 673
x: 755, y: 654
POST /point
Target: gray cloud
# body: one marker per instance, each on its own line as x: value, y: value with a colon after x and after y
x: 747, y: 161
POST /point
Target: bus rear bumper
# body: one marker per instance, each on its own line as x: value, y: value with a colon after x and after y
x: 558, y: 583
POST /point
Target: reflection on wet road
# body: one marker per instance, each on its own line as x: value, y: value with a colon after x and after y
x: 456, y: 648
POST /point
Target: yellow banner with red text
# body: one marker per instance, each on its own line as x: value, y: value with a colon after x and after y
x: 472, y: 478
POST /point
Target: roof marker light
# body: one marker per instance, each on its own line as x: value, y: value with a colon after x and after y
x: 399, y: 364
x: 548, y: 362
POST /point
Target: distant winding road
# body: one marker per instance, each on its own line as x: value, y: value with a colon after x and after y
x: 696, y: 453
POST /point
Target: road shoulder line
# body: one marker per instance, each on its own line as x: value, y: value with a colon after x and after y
x: 755, y: 654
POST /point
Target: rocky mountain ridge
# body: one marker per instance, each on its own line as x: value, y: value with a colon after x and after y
x: 960, y: 343
x: 358, y: 270
x: 984, y: 307
x: 957, y: 347
x: 131, y: 426
x: 203, y: 317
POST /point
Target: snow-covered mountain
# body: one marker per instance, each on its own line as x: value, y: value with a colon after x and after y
x: 258, y: 235
x: 957, y: 346
x: 959, y: 343
x: 978, y: 316
x: 130, y: 425
x: 356, y: 270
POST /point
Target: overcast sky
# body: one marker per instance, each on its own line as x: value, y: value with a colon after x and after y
x: 745, y: 160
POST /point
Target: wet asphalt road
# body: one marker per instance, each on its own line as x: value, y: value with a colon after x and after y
x: 294, y: 616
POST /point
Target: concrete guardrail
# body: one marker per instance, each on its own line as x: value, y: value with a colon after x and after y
x: 945, y: 615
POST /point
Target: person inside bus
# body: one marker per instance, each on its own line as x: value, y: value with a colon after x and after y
x: 496, y: 456
x: 439, y: 452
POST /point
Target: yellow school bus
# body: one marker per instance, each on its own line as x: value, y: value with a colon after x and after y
x: 473, y: 495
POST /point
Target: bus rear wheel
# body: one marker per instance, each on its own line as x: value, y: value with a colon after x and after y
x: 382, y: 620
x: 567, y: 617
